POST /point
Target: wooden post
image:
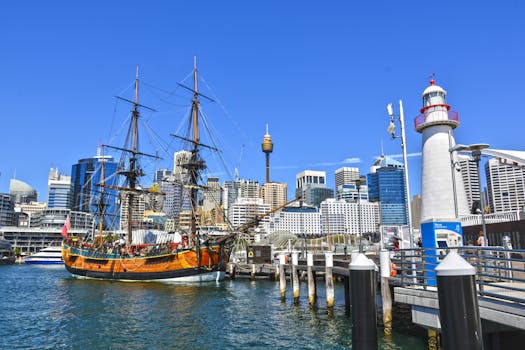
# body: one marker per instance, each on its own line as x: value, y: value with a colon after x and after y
x: 295, y: 277
x: 312, y: 294
x: 232, y: 270
x: 346, y: 281
x: 252, y: 274
x: 282, y: 276
x: 384, y: 259
x: 329, y: 258
x: 277, y: 272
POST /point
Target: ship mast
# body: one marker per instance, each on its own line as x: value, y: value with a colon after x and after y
x: 195, y: 163
x: 132, y: 172
x: 101, y: 201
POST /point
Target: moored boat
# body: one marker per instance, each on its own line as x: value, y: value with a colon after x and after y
x: 7, y: 255
x: 193, y: 258
x: 48, y: 256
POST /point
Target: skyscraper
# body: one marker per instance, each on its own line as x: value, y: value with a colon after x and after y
x: 87, y: 194
x: 346, y: 176
x: 469, y: 174
x: 345, y: 185
x: 505, y: 185
x: 59, y: 189
x: 274, y: 193
x: 311, y: 187
x: 386, y: 185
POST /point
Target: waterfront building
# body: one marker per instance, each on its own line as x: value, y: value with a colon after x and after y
x: 44, y: 229
x: 245, y: 210
x: 59, y: 190
x: 311, y: 187
x: 505, y: 186
x: 296, y: 219
x: 21, y: 192
x: 386, y: 185
x: 274, y: 193
x: 356, y: 218
x: 469, y: 174
x: 23, y: 212
x: 7, y: 209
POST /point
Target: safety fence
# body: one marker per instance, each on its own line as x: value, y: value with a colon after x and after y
x: 500, y: 273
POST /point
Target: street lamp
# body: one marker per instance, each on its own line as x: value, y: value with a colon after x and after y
x: 358, y: 187
x: 475, y: 151
x: 392, y: 131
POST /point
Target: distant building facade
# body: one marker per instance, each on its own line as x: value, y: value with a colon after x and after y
x: 311, y: 187
x: 245, y: 210
x: 274, y: 193
x: 295, y: 219
x: 59, y: 190
x: 21, y: 192
x: 469, y: 173
x: 340, y: 217
x: 505, y: 186
x: 7, y: 209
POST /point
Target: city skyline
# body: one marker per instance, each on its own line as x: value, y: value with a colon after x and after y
x: 319, y: 75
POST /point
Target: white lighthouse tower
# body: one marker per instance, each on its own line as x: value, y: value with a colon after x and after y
x: 443, y: 196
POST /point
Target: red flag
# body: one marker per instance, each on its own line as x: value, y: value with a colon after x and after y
x: 66, y: 227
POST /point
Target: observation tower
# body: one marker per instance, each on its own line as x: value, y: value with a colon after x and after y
x: 267, y: 148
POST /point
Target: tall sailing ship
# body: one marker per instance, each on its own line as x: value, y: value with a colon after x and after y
x: 190, y: 259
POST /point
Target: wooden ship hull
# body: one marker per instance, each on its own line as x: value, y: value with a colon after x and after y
x: 176, y: 266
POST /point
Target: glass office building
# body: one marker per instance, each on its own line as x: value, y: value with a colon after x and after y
x: 386, y: 185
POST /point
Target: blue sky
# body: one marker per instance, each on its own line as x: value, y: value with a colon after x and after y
x: 319, y: 73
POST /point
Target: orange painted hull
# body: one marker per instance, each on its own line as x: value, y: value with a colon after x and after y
x: 180, y: 264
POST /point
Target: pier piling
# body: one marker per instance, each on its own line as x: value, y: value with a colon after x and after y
x: 295, y: 277
x: 312, y: 293
x: 456, y: 293
x: 329, y: 258
x: 384, y: 260
x: 282, y: 276
x: 363, y: 298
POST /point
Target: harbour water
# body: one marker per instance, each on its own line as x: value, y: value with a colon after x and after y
x: 46, y: 308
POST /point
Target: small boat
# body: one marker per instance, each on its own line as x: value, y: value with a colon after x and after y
x: 7, y: 255
x: 48, y: 256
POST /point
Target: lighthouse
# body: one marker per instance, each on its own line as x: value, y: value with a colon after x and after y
x: 443, y: 197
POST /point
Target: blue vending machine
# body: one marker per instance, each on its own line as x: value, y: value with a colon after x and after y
x: 440, y: 236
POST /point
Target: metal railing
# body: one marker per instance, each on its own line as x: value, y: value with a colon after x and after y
x: 500, y: 273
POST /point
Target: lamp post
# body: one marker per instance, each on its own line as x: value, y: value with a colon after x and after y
x: 358, y: 187
x: 475, y: 151
x: 392, y: 132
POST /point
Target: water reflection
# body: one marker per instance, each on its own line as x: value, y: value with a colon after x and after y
x: 50, y: 310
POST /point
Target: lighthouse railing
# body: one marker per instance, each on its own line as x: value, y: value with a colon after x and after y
x: 452, y: 116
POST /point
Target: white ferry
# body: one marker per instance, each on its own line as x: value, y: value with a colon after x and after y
x: 47, y: 256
